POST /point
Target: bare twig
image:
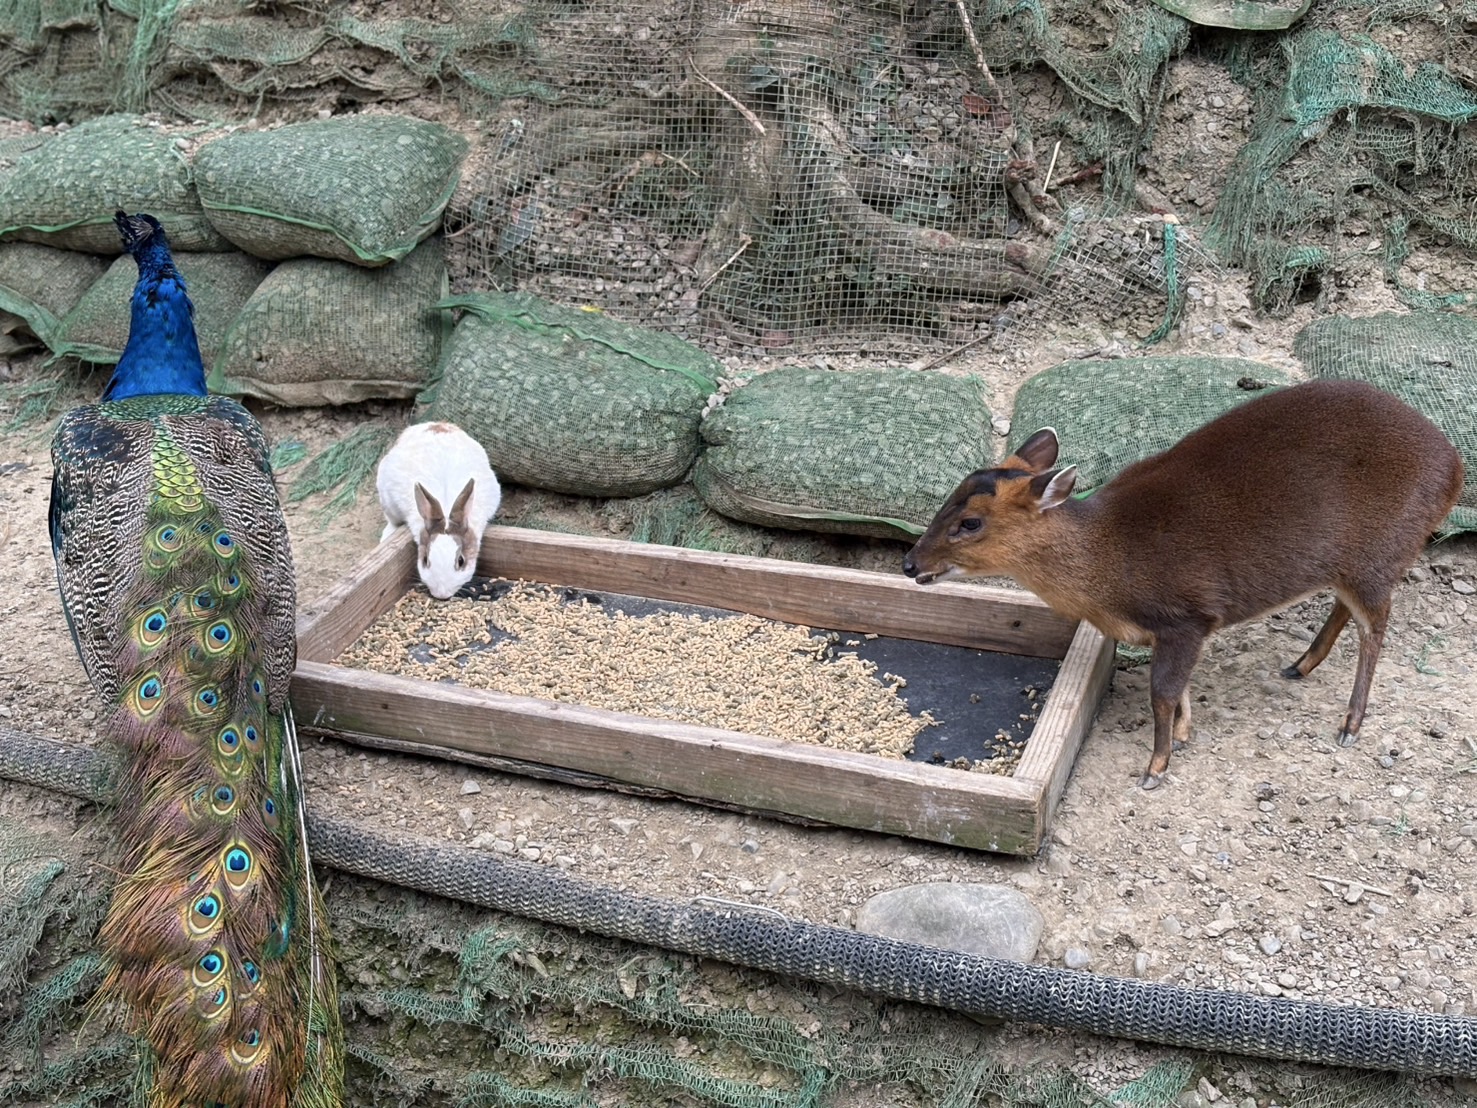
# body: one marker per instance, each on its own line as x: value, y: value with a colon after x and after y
x: 754, y: 121
x: 974, y: 43
x: 748, y: 241
x: 942, y: 358
x: 1349, y: 882
x: 1051, y: 166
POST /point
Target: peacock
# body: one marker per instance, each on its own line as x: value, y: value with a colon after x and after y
x: 177, y: 582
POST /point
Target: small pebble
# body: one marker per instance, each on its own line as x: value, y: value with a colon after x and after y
x: 1463, y: 586
x: 1270, y: 944
x: 467, y: 817
x: 470, y: 787
x: 1077, y: 958
x: 624, y: 826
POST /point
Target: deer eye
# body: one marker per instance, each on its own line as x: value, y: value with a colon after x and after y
x: 971, y: 523
x: 461, y: 561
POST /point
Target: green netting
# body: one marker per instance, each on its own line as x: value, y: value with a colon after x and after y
x: 1428, y: 359
x: 446, y: 1005
x: 867, y: 452
x: 324, y: 332
x: 1110, y: 414
x: 64, y: 192
x: 571, y: 400
x: 40, y: 284
x: 96, y: 330
x: 1349, y: 137
x: 363, y: 188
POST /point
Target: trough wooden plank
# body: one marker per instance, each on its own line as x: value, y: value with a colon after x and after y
x: 338, y: 617
x: 1064, y: 722
x: 976, y: 810
x: 980, y: 617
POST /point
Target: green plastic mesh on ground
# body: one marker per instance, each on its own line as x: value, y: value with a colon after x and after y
x: 572, y: 400
x: 324, y: 332
x: 864, y: 452
x: 1108, y: 415
x: 64, y: 192
x: 96, y: 330
x: 447, y: 1006
x: 1357, y: 133
x: 40, y: 284
x: 1428, y: 359
x: 363, y: 189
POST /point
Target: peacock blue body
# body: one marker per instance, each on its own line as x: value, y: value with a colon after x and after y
x: 176, y: 576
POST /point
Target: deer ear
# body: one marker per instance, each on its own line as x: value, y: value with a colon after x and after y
x: 429, y: 509
x: 1037, y: 454
x: 1052, y: 489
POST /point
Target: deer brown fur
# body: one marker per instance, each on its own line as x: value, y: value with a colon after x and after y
x: 1328, y: 485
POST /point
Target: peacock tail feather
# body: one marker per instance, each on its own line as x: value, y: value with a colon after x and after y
x: 176, y: 577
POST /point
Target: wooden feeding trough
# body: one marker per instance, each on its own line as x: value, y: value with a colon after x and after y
x: 810, y: 783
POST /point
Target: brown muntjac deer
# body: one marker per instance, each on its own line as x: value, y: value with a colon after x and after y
x: 1324, y: 485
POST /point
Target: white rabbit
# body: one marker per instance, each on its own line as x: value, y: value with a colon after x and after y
x: 431, y: 465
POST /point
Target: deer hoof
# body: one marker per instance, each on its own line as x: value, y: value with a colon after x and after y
x: 1347, y: 738
x: 1292, y: 673
x: 1150, y: 781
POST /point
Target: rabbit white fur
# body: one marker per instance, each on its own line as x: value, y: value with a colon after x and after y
x: 436, y: 480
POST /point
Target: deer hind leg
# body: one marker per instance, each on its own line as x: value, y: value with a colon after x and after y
x: 1322, y: 642
x: 1169, y: 696
x: 1371, y: 611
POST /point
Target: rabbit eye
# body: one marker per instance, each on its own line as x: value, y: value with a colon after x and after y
x: 461, y: 561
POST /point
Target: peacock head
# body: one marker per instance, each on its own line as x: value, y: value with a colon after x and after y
x: 140, y: 233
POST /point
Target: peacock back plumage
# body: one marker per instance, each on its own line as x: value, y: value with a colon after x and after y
x: 176, y: 577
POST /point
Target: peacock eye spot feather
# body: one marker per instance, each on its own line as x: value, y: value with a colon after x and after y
x: 224, y: 543
x: 150, y: 689
x: 251, y: 734
x: 156, y: 622
x: 204, y: 913
x: 221, y: 633
x: 269, y: 806
x: 212, y: 963
x: 256, y: 685
x: 229, y: 738
x: 203, y: 527
x: 208, y: 699
x: 237, y: 860
x: 252, y: 1037
x: 204, y: 601
x: 253, y: 974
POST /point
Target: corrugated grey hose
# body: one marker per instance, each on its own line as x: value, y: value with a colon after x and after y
x: 1206, y: 1019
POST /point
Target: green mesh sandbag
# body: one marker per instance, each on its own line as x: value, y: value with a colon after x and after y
x: 320, y: 332
x: 1109, y: 415
x: 65, y: 191
x: 362, y: 188
x: 572, y: 400
x: 1427, y: 359
x: 96, y: 330
x: 40, y: 284
x: 865, y: 452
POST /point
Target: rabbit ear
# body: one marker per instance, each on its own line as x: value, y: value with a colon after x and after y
x: 429, y: 509
x: 459, y: 506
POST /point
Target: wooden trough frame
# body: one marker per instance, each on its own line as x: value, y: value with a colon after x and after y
x: 814, y: 784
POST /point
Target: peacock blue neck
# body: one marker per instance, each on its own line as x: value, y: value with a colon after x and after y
x: 163, y: 354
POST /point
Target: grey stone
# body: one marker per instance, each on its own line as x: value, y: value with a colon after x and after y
x: 1270, y: 944
x: 466, y: 817
x: 992, y: 921
x: 1077, y: 957
x: 470, y: 787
